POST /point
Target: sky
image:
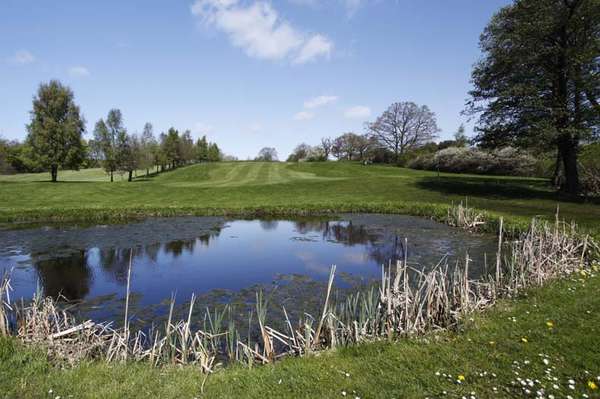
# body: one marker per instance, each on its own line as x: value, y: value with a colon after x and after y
x: 246, y: 73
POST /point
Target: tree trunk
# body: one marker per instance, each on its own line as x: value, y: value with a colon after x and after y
x: 147, y: 172
x: 111, y: 176
x: 130, y: 178
x: 556, y: 174
x: 568, y: 151
x: 54, y: 173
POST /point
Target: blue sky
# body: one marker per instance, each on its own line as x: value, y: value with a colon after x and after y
x: 248, y: 73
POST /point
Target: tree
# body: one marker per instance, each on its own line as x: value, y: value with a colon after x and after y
x: 56, y: 128
x: 326, y: 144
x: 128, y: 153
x: 186, y: 147
x: 404, y: 126
x: 214, y: 153
x: 267, y: 154
x: 202, y: 149
x: 347, y: 146
x: 538, y: 84
x: 300, y: 153
x: 460, y: 138
x: 171, y: 148
x: 148, y: 148
x: 106, y: 135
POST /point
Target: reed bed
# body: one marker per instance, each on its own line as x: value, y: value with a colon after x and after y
x: 407, y: 302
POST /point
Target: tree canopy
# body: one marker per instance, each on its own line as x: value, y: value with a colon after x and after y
x: 538, y: 83
x: 404, y: 126
x: 56, y: 129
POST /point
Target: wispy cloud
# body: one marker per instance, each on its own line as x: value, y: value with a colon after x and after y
x: 257, y: 28
x: 22, y: 57
x: 303, y: 116
x: 319, y: 101
x: 357, y: 112
x: 351, y: 6
x: 79, y: 71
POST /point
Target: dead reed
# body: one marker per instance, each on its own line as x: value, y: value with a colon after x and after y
x: 407, y: 302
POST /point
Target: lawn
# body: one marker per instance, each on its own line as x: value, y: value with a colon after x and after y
x: 558, y: 324
x: 550, y: 335
x: 247, y: 187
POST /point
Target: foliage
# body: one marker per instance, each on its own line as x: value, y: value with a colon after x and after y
x: 538, y: 85
x: 404, y: 126
x: 590, y: 169
x: 505, y: 161
x: 56, y: 128
x: 106, y: 135
x: 306, y: 153
x: 267, y: 154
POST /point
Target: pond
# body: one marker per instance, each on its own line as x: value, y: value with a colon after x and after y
x: 223, y: 261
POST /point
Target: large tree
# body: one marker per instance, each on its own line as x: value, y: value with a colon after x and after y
x: 404, y: 126
x: 106, y: 137
x: 538, y: 83
x: 148, y: 148
x: 267, y: 154
x: 56, y: 128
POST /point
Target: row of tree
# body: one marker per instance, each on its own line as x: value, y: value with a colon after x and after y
x: 55, y: 141
x: 119, y: 151
x: 404, y: 126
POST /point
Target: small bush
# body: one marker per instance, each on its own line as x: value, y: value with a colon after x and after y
x: 504, y: 161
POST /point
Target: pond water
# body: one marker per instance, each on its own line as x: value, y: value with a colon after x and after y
x: 222, y: 261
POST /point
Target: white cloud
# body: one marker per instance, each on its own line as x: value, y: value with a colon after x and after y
x: 357, y: 112
x: 319, y: 101
x: 257, y: 28
x: 351, y: 6
x: 303, y: 116
x: 317, y: 45
x: 79, y: 71
x: 22, y: 57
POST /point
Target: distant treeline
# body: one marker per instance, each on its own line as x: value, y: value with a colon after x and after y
x: 55, y: 141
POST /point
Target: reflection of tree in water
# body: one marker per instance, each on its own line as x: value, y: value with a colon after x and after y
x: 152, y: 251
x: 68, y: 276
x: 115, y: 261
x: 269, y: 224
x: 383, y: 246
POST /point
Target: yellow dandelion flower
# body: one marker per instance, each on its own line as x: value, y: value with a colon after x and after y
x: 492, y: 342
x: 524, y: 340
x: 592, y: 385
x: 550, y: 324
x: 461, y: 377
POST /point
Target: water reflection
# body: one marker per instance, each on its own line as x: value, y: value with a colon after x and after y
x: 221, y: 261
x: 70, y: 277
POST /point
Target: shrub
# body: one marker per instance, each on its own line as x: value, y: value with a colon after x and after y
x: 504, y: 161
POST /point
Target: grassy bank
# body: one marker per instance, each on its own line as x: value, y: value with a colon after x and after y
x: 559, y: 323
x: 251, y: 188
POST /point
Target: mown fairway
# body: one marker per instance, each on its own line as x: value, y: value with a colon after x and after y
x: 240, y: 187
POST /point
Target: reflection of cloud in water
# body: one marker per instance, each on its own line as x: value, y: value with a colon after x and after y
x: 311, y: 263
x: 355, y: 258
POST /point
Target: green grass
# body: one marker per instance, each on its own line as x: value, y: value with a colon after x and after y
x: 404, y: 369
x: 252, y: 187
x: 490, y: 342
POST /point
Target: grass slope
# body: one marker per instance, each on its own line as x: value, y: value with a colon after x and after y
x: 240, y: 187
x: 490, y: 343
